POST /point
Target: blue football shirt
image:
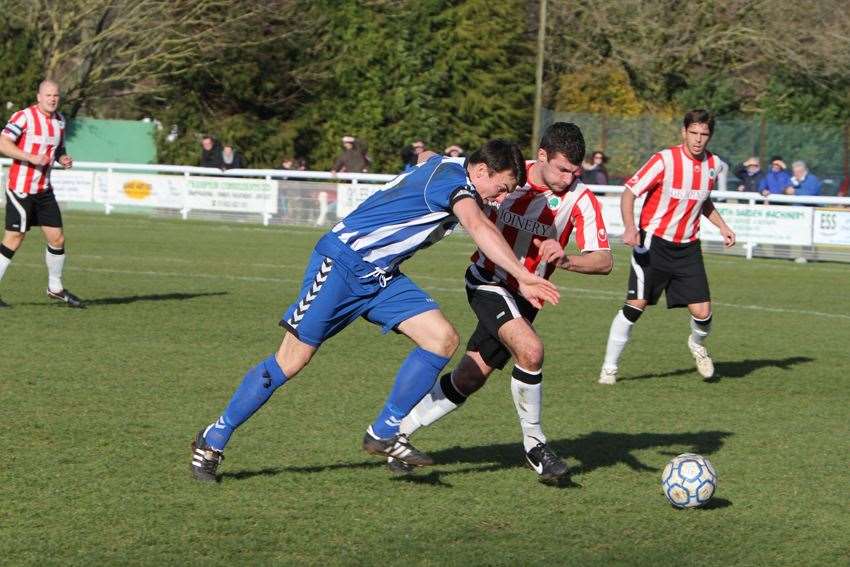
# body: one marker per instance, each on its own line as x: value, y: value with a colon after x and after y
x: 411, y: 212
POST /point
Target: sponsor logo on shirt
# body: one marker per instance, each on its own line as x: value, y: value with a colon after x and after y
x: 689, y: 194
x: 526, y: 225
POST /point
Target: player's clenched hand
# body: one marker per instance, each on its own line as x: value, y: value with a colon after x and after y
x: 631, y: 236
x: 538, y: 291
x: 548, y: 250
x: 36, y: 159
x: 66, y: 162
x: 728, y: 236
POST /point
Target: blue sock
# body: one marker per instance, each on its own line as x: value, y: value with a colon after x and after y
x: 256, y: 388
x: 415, y: 378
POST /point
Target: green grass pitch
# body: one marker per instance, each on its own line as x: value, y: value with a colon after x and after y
x: 99, y: 407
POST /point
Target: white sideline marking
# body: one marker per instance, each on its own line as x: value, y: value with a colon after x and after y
x: 586, y: 293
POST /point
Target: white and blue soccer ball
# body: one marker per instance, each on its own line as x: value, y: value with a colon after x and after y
x: 689, y: 481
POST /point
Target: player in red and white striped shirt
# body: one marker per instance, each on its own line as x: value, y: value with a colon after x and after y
x: 537, y: 221
x: 667, y: 256
x: 34, y: 138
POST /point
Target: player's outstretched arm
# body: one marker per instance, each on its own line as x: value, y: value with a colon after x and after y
x: 713, y: 215
x: 535, y: 289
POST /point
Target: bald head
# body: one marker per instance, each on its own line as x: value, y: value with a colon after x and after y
x: 47, y: 84
x: 48, y: 96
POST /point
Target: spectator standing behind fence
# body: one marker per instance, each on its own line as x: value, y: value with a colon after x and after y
x: 286, y: 163
x: 750, y: 174
x: 803, y: 182
x: 595, y: 172
x: 231, y: 159
x: 210, y: 152
x: 353, y: 157
x: 777, y: 179
x: 453, y: 151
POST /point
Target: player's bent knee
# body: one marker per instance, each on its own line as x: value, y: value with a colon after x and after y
x: 12, y: 240
x: 530, y: 356
x: 447, y: 344
x: 293, y: 355
x: 701, y: 310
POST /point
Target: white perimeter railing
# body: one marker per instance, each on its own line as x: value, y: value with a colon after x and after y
x: 817, y: 227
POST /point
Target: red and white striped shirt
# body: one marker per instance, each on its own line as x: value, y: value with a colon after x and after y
x: 34, y: 133
x: 537, y: 211
x: 676, y: 187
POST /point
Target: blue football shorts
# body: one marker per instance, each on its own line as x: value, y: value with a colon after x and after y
x: 335, y: 292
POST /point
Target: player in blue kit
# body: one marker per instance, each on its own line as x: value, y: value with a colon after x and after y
x: 354, y: 272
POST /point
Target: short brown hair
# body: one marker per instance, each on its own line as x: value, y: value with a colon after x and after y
x: 699, y: 116
x: 501, y: 155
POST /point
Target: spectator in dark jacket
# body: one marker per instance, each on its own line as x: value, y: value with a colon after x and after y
x: 231, y: 159
x: 595, y: 172
x: 210, y: 152
x: 352, y: 159
x: 750, y: 174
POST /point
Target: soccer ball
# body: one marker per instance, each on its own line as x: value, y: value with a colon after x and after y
x: 689, y: 481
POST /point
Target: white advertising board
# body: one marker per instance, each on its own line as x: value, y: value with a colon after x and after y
x: 611, y: 214
x: 349, y: 197
x: 763, y: 224
x: 231, y: 194
x: 73, y: 186
x: 140, y: 189
x: 832, y: 226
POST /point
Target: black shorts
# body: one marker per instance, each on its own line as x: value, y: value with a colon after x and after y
x: 494, y: 305
x: 662, y: 266
x: 26, y: 211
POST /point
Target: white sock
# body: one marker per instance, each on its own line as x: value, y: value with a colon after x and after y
x: 55, y: 264
x: 4, y: 263
x: 618, y: 336
x: 528, y: 402
x: 700, y: 329
x: 432, y: 407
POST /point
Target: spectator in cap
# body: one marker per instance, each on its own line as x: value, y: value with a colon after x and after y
x: 777, y: 179
x: 352, y: 159
x: 453, y: 151
x: 803, y: 182
x: 750, y: 174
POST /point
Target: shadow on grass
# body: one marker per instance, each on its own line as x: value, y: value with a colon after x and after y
x: 730, y: 369
x: 592, y: 451
x: 717, y: 504
x: 177, y: 296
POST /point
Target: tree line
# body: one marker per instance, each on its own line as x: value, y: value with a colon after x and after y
x: 290, y: 77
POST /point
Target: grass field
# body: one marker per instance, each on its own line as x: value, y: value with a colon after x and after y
x: 99, y: 407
